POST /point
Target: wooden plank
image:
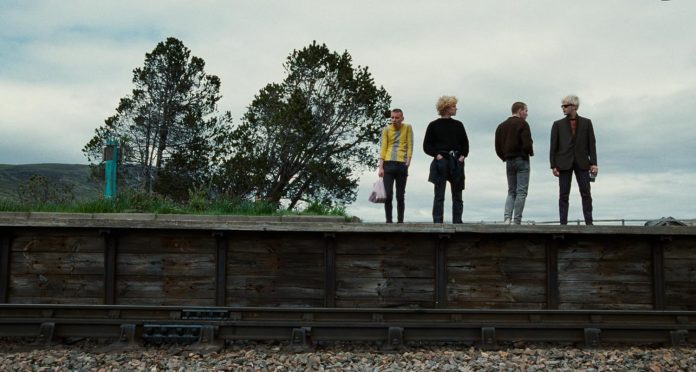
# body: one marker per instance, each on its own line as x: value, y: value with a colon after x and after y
x: 73, y: 287
x: 169, y: 287
x: 266, y: 224
x: 263, y: 264
x: 553, y: 243
x: 604, y: 273
x: 156, y: 301
x: 405, y: 288
x: 47, y: 263
x: 680, y: 270
x: 465, y: 304
x: 681, y: 248
x: 680, y: 296
x: 603, y: 306
x: 386, y: 245
x: 371, y: 302
x: 60, y: 242
x: 166, y: 264
x: 495, y: 247
x: 288, y: 243
x: 140, y: 242
x: 521, y: 292
x: 270, y: 287
x: 496, y: 273
x: 276, y: 302
x: 602, y: 293
x: 679, y: 257
x: 384, y: 266
x: 608, y: 249
x: 58, y: 300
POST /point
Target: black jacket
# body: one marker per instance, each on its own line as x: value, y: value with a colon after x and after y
x: 448, y: 169
x: 566, y: 149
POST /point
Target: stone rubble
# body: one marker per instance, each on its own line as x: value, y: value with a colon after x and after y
x: 90, y: 355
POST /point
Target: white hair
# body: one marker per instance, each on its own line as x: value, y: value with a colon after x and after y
x: 572, y: 99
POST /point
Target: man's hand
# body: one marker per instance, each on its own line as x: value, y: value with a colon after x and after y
x: 594, y: 169
x: 408, y: 162
x: 380, y: 172
x: 461, y: 158
x: 438, y: 157
x: 555, y: 172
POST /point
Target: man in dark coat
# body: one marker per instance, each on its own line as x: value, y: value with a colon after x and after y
x: 573, y: 151
x: 514, y: 146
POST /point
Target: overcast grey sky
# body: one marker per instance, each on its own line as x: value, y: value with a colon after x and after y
x: 65, y: 64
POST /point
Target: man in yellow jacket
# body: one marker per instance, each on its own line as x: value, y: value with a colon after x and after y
x: 396, y: 150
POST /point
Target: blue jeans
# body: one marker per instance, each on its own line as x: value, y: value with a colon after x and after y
x: 518, y: 183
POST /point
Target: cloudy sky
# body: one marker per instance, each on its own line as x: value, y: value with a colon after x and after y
x: 65, y: 64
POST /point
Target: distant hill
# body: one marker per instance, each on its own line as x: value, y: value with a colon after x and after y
x: 74, y: 175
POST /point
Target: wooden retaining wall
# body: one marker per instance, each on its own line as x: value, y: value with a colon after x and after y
x: 223, y: 261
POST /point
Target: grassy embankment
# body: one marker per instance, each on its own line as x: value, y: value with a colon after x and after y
x: 87, y: 197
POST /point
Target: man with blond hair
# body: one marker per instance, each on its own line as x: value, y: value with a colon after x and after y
x: 396, y: 150
x: 573, y: 150
x: 446, y: 141
x: 513, y: 145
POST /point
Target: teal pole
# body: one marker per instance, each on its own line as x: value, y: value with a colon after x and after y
x: 110, y: 158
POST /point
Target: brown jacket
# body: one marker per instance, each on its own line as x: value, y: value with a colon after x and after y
x: 513, y: 138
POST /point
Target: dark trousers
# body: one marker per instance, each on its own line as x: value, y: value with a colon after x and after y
x: 439, y: 202
x: 582, y: 176
x: 395, y: 172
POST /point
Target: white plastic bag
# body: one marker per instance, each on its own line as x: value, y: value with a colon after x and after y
x: 379, y: 194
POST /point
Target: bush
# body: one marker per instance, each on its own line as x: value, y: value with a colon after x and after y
x: 132, y: 201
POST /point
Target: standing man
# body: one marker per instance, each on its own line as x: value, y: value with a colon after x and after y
x: 396, y: 150
x: 573, y: 151
x: 513, y: 144
x: 446, y: 141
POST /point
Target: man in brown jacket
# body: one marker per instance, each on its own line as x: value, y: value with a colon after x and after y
x: 513, y: 145
x: 573, y: 151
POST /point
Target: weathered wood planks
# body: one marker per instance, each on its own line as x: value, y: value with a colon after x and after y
x: 347, y: 265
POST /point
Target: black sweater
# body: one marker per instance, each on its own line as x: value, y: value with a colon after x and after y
x: 513, y: 138
x: 444, y: 135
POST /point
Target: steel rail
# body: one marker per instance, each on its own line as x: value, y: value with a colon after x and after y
x: 303, y: 327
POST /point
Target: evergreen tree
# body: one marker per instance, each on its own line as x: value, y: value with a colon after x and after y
x: 308, y: 137
x: 168, y: 127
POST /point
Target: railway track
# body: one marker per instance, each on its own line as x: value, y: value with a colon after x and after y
x: 303, y: 327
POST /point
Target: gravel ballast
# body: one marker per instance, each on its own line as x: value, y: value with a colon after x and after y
x: 92, y: 356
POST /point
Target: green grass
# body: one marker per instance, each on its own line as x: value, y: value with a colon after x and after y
x: 142, y: 203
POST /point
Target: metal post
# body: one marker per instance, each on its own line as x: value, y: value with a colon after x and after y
x: 5, y: 249
x: 220, y: 268
x: 110, y: 257
x: 330, y: 270
x: 658, y: 267
x: 110, y: 160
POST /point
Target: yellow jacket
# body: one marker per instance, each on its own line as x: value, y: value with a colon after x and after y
x: 396, y: 145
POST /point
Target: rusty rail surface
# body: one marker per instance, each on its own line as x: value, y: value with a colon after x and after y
x: 303, y: 328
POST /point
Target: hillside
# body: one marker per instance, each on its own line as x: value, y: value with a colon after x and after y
x: 74, y: 175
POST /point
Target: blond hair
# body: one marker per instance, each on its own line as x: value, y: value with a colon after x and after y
x: 445, y: 102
